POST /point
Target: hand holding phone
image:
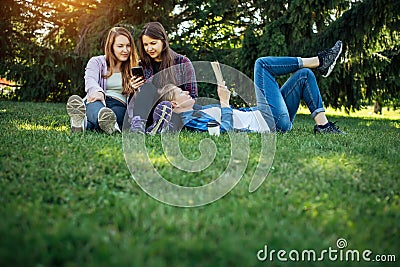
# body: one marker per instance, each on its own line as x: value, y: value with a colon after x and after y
x: 138, y: 77
x: 138, y: 71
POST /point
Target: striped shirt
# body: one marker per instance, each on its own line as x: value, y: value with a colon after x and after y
x: 243, y: 119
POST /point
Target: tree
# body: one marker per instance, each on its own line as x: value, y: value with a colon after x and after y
x: 47, y: 43
x: 369, y: 30
x: 43, y: 67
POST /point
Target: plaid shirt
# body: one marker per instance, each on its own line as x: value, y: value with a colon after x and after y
x: 185, y: 74
x: 196, y: 120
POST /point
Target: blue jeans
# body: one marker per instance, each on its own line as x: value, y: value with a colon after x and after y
x: 284, y: 102
x: 93, y: 108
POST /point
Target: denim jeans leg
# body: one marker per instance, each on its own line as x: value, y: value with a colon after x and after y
x: 302, y: 85
x: 145, y: 100
x: 268, y: 94
x: 92, y: 111
x: 119, y: 109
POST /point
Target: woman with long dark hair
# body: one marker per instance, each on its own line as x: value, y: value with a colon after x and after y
x: 161, y: 66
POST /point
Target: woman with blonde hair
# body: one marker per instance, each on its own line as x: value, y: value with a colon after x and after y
x: 109, y: 86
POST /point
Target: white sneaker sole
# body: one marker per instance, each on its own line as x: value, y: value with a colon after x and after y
x: 76, y: 110
x: 332, y: 66
x: 107, y: 120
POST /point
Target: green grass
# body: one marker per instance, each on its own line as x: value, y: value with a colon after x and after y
x: 70, y: 200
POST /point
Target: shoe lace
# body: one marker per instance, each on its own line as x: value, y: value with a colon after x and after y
x: 137, y: 123
x: 333, y: 126
x: 332, y: 50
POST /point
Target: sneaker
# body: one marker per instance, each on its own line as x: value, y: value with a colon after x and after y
x: 107, y: 120
x: 327, y: 59
x: 329, y: 128
x: 161, y: 118
x: 138, y: 125
x: 76, y: 110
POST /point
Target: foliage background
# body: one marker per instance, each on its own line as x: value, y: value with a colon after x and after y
x: 46, y: 44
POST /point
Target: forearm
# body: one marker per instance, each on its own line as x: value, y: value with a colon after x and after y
x: 224, y: 104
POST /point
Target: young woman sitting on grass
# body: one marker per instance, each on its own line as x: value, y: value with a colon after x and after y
x: 275, y: 104
x: 161, y: 66
x: 109, y: 86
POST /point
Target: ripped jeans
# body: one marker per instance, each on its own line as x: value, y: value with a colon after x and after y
x: 284, y: 102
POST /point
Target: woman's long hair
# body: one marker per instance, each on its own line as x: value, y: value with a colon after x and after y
x: 156, y: 31
x: 112, y: 60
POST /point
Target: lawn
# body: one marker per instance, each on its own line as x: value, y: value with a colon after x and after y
x: 70, y: 200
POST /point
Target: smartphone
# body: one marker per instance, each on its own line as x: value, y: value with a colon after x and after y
x: 138, y: 71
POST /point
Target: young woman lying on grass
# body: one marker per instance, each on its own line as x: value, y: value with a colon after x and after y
x: 277, y: 106
x: 196, y: 117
